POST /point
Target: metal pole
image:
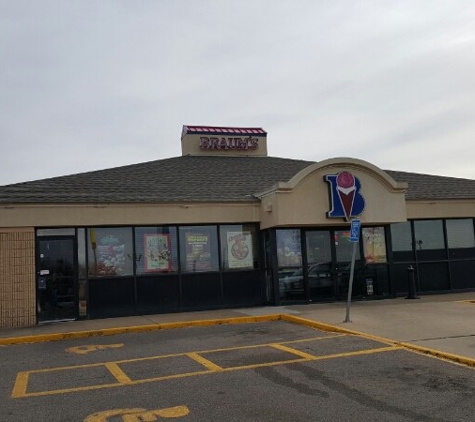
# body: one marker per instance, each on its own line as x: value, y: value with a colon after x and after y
x: 350, y: 284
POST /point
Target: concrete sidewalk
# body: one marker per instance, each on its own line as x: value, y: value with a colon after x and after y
x: 442, y: 322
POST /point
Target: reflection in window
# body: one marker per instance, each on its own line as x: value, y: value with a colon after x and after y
x: 318, y: 247
x: 401, y: 237
x: 343, y: 246
x: 429, y: 235
x: 199, y: 248
x: 289, y: 248
x: 374, y: 245
x: 460, y: 234
x: 110, y: 251
x: 238, y: 247
x: 156, y: 250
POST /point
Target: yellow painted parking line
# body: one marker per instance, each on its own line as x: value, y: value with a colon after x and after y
x: 205, y: 362
x: 465, y: 301
x: 119, y: 375
x: 21, y: 384
x: 293, y: 351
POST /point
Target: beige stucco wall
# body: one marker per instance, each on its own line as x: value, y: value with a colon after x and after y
x: 305, y: 199
x: 51, y: 215
x: 456, y: 208
x: 17, y: 277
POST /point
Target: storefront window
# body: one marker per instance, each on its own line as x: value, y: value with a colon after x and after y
x: 289, y: 252
x: 429, y: 235
x: 429, y: 240
x: 156, y: 250
x: 401, y: 237
x: 318, y: 247
x: 460, y: 234
x: 199, y: 249
x: 238, y: 247
x: 374, y: 245
x: 343, y: 246
x: 110, y: 252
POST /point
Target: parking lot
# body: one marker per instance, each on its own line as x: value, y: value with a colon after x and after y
x: 269, y: 371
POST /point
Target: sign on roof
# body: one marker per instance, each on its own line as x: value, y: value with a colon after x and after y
x: 219, y: 140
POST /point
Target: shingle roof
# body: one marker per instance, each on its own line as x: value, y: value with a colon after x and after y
x: 201, y: 179
x: 426, y: 186
x: 186, y: 178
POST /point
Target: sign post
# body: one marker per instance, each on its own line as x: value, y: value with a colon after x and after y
x: 354, y: 238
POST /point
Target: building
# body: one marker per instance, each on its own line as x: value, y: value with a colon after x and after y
x: 225, y: 225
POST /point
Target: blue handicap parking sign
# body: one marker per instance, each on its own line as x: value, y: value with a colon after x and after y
x: 355, y: 230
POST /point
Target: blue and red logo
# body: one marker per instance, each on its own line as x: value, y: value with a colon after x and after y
x: 345, y: 196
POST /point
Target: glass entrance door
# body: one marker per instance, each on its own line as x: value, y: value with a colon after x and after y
x: 319, y: 265
x: 343, y: 252
x: 56, y: 279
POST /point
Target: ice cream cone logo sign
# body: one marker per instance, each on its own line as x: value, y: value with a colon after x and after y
x: 346, y: 200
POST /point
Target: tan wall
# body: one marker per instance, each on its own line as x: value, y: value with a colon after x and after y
x: 305, y: 200
x: 127, y: 214
x: 459, y: 208
x: 17, y: 278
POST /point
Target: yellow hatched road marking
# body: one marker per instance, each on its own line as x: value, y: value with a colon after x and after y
x: 205, y: 362
x: 118, y: 373
x: 22, y: 379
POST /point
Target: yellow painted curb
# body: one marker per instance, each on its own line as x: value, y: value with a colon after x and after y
x: 237, y: 320
x: 439, y: 354
x: 135, y: 329
x: 408, y: 346
x: 333, y: 328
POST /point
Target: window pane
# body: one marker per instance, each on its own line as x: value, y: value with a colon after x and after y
x: 460, y: 234
x: 318, y: 247
x: 239, y: 247
x: 343, y: 246
x: 156, y: 250
x: 374, y: 245
x: 401, y: 237
x: 110, y: 251
x: 82, y: 266
x: 429, y: 235
x: 199, y: 248
x: 289, y: 252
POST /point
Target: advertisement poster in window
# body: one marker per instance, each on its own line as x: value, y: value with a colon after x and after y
x: 240, y: 250
x: 157, y: 256
x: 108, y: 253
x: 374, y: 245
x: 289, y: 248
x: 198, y: 252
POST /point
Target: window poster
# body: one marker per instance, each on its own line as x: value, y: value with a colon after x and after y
x: 374, y: 245
x: 157, y: 252
x: 108, y: 253
x: 198, y: 251
x: 289, y: 248
x: 240, y: 250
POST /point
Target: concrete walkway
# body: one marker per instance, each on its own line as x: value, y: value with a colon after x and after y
x: 442, y: 322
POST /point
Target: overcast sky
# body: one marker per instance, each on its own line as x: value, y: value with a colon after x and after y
x: 87, y: 85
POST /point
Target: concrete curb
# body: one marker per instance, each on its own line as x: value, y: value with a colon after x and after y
x: 236, y: 320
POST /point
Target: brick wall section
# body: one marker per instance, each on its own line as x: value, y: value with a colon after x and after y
x: 17, y: 278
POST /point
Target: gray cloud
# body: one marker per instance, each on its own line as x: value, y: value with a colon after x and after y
x: 88, y: 85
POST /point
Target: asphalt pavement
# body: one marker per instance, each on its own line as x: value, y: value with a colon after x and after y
x: 439, y: 324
